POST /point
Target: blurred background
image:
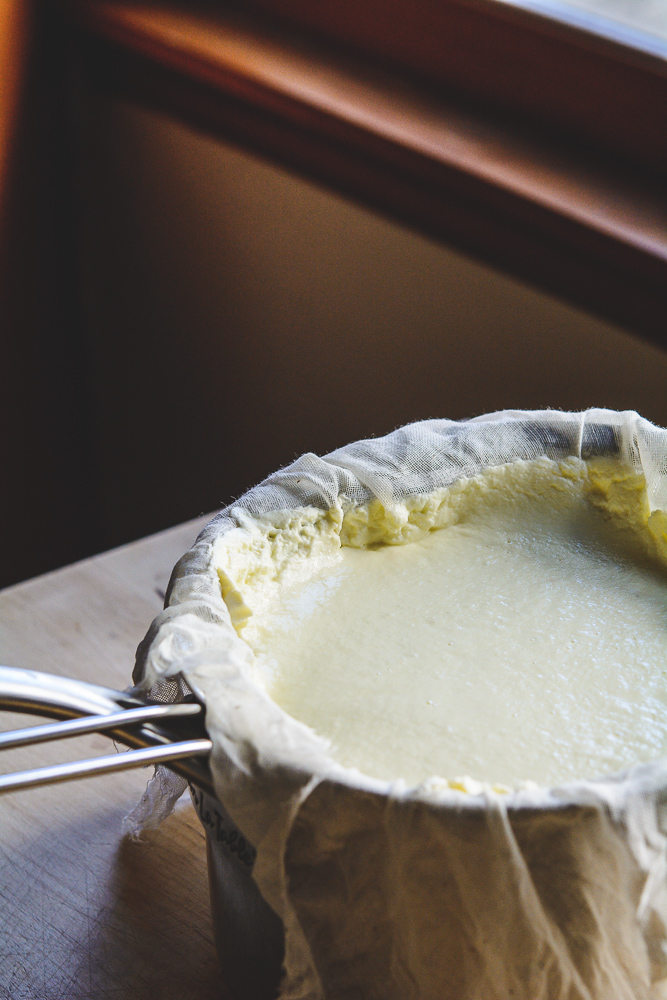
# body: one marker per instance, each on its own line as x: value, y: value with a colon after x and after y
x: 184, y: 311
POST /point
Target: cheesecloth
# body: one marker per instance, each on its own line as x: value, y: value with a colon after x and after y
x: 432, y: 892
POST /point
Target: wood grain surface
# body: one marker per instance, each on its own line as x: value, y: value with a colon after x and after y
x: 84, y: 913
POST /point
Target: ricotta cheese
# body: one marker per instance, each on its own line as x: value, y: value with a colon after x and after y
x: 510, y: 627
x: 335, y: 587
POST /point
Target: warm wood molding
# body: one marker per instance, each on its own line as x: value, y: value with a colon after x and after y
x: 576, y: 80
x: 587, y: 229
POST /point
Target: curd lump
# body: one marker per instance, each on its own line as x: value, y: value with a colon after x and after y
x: 510, y: 627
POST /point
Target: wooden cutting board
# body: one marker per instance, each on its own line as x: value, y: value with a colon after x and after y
x: 84, y: 913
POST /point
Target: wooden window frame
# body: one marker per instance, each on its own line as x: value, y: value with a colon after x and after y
x: 566, y: 216
x: 556, y: 74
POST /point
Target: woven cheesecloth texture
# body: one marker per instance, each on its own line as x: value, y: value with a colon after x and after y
x: 432, y: 892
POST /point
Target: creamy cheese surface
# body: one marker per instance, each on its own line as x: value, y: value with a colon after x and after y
x: 511, y: 627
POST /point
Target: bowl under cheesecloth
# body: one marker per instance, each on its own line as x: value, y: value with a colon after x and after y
x: 326, y: 883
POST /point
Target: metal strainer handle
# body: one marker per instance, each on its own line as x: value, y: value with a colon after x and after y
x: 172, y: 734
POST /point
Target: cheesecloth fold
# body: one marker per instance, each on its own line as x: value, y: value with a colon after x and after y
x: 433, y: 892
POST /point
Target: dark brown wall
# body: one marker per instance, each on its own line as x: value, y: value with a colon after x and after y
x: 47, y: 485
x: 239, y: 316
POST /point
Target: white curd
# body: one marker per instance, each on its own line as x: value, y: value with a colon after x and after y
x: 511, y: 627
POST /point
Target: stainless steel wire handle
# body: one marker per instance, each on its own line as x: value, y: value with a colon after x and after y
x: 172, y: 734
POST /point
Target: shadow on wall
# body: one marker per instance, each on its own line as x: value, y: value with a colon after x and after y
x: 236, y: 316
x: 47, y: 499
x: 239, y: 316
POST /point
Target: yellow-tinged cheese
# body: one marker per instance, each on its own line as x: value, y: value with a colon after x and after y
x: 512, y: 626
